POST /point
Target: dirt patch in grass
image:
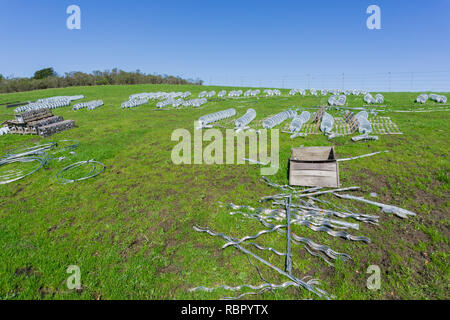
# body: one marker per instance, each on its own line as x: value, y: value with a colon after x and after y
x: 45, y: 291
x: 215, y: 251
x: 63, y: 221
x: 27, y: 271
x: 20, y: 189
x: 393, y: 250
x: 171, y: 268
x: 365, y: 176
x: 438, y: 213
x: 52, y: 228
x: 374, y: 183
x: 134, y: 247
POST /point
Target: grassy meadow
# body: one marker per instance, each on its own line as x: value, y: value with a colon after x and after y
x: 130, y: 229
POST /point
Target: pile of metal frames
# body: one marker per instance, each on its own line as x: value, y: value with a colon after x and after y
x: 335, y: 92
x: 194, y: 102
x: 301, y: 92
x: 438, y: 98
x: 168, y: 102
x: 43, y: 105
x: 369, y: 99
x: 211, y: 94
x: 272, y: 92
x: 298, y: 207
x: 91, y: 105
x: 245, y: 120
x: 177, y: 102
x: 207, y: 94
x: 364, y: 137
x: 186, y: 94
x: 4, y: 130
x: 337, y: 101
x: 379, y: 98
x: 222, y: 93
x: 355, y: 92
x: 134, y: 103
x: 210, y: 118
x: 58, y: 98
x: 235, y: 93
x: 49, y: 103
x: 327, y: 123
x: 278, y: 119
x: 160, y: 95
x: 422, y: 98
x: 298, y: 122
x: 251, y: 93
x: 364, y: 125
x: 95, y: 104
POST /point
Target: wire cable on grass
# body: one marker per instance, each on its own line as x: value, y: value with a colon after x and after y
x: 25, y: 151
x: 76, y: 144
x: 97, y: 168
x: 15, y: 175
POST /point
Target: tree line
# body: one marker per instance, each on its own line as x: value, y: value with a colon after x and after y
x: 48, y: 78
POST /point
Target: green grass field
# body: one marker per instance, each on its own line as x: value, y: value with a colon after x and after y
x: 130, y: 228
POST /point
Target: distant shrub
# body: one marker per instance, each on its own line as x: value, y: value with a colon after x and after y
x: 44, y: 73
x: 47, y: 78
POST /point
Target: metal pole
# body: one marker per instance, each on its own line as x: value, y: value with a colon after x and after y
x: 288, y: 251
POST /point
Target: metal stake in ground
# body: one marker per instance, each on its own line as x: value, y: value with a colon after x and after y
x: 288, y: 251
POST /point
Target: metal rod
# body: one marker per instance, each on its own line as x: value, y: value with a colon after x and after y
x: 326, y: 191
x: 288, y: 246
x: 402, y: 213
x: 363, y: 156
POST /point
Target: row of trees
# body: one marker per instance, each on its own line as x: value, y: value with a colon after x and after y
x: 47, y: 78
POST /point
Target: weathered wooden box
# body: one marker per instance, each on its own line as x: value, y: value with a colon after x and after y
x: 314, y: 167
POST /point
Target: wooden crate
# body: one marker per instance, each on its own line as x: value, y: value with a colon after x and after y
x: 314, y: 167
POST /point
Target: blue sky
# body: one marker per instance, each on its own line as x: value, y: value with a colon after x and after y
x: 268, y: 43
